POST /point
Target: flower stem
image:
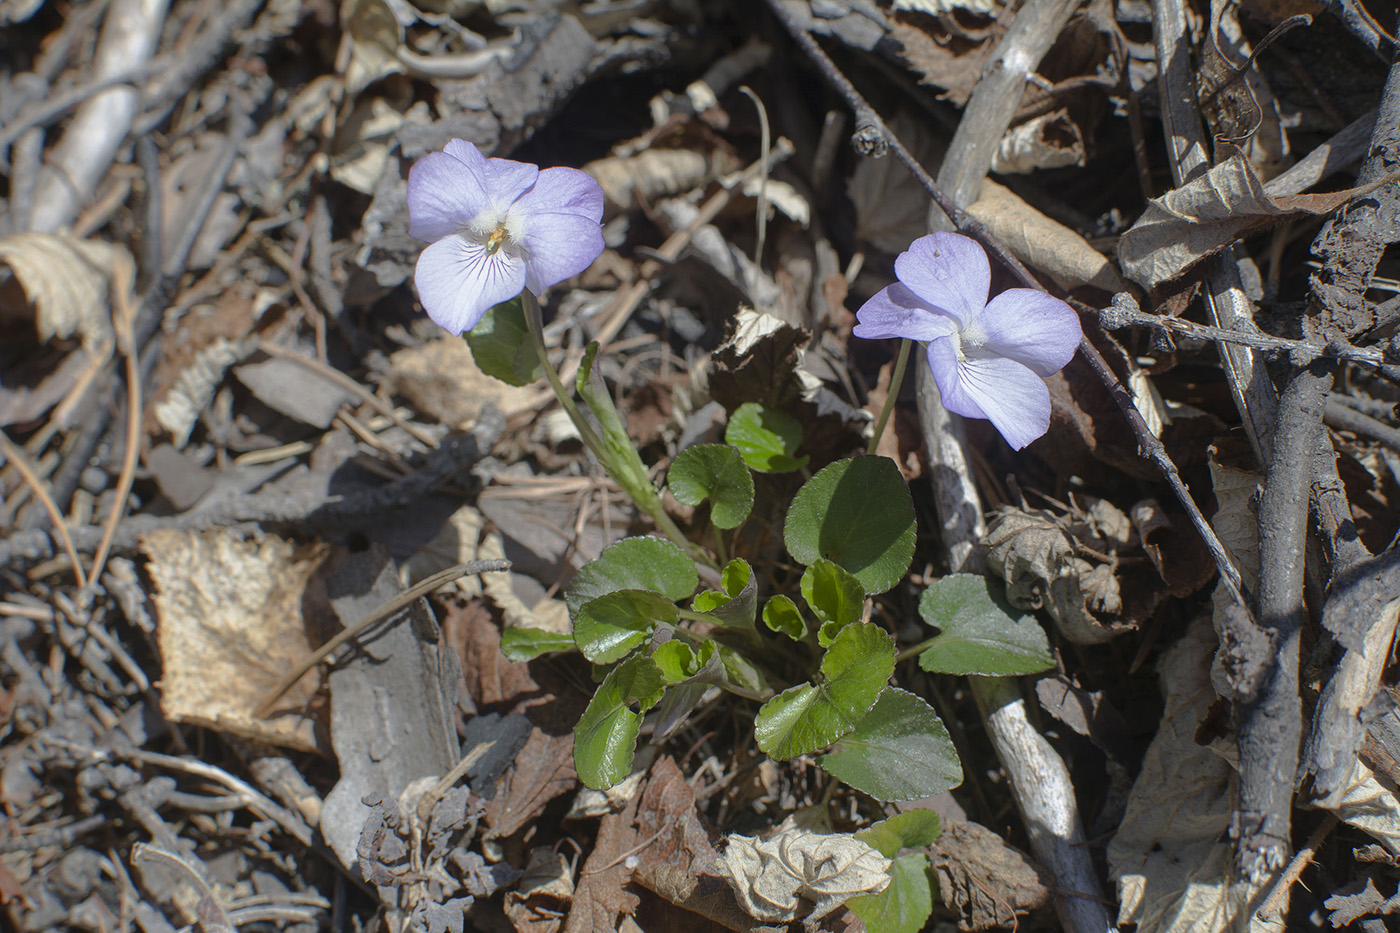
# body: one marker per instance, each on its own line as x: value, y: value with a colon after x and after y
x: 890, y: 397
x: 640, y: 491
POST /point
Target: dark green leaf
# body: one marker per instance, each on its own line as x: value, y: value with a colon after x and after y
x: 766, y: 438
x: 899, y: 751
x: 858, y: 514
x: 715, y: 472
x: 606, y: 737
x: 634, y: 564
x: 502, y: 347
x: 979, y: 632
x: 807, y: 717
x: 611, y: 625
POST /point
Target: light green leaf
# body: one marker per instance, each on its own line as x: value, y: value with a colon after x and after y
x: 606, y: 737
x: 836, y: 597
x: 807, y: 717
x: 502, y: 347
x: 979, y: 632
x: 904, y: 906
x: 737, y: 604
x: 912, y: 829
x: 899, y: 751
x: 715, y: 472
x: 766, y: 438
x: 781, y: 615
x: 644, y: 563
x: 519, y: 643
x: 676, y: 660
x: 611, y: 625
x: 858, y: 514
x: 740, y: 671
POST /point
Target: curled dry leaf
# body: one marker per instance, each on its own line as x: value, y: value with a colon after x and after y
x: 64, y: 282
x: 1208, y: 213
x: 1051, y: 140
x: 986, y: 882
x: 937, y: 7
x: 1037, y: 559
x: 653, y: 174
x: 801, y: 874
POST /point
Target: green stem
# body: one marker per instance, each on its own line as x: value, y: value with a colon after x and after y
x: 646, y: 498
x: 916, y: 650
x: 719, y: 545
x: 888, y: 407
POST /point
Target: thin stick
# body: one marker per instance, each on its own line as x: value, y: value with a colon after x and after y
x: 125, y: 316
x: 421, y: 588
x: 1301, y: 860
x: 20, y: 461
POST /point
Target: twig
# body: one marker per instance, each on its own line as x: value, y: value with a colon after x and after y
x: 1349, y: 419
x: 1278, y: 896
x: 1124, y: 312
x: 17, y: 458
x: 421, y: 588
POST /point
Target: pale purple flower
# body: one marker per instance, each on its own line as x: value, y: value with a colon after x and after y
x: 988, y: 357
x: 496, y: 227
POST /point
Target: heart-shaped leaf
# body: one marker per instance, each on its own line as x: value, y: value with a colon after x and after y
x: 836, y: 597
x: 644, y: 563
x: 766, y: 438
x: 899, y: 751
x: 858, y: 514
x: 502, y: 347
x: 736, y: 605
x: 519, y: 643
x: 605, y: 739
x: 611, y: 625
x: 807, y: 717
x: 979, y: 632
x: 716, y: 472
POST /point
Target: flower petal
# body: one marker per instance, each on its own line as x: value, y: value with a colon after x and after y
x: 1013, y: 398
x: 558, y: 246
x: 458, y: 281
x: 507, y: 180
x: 446, y: 190
x: 1037, y: 330
x: 949, y: 272
x: 563, y: 191
x: 897, y: 312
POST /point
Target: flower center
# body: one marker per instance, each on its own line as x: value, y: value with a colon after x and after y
x: 497, y: 238
x: 970, y: 339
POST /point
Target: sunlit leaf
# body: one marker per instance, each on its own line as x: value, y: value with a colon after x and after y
x: 899, y: 751
x: 644, y: 563
x: 766, y: 438
x: 611, y: 625
x: 605, y: 740
x: 716, y: 472
x: 979, y: 632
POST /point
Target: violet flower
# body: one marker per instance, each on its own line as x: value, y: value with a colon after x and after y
x: 496, y: 227
x: 988, y: 357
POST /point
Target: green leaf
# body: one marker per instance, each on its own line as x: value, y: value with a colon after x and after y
x: 899, y: 751
x: 611, y: 625
x: 502, y: 347
x: 781, y: 615
x: 766, y: 438
x: 740, y: 671
x: 857, y: 513
x: 676, y: 660
x: 912, y: 829
x: 619, y: 455
x: 737, y: 604
x: 836, y: 597
x: 705, y: 670
x: 519, y: 643
x: 606, y: 736
x: 807, y: 717
x: 715, y: 472
x: 644, y: 563
x: 904, y: 906
x: 979, y: 632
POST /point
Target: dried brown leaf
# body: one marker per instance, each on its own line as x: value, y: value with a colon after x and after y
x: 1208, y: 213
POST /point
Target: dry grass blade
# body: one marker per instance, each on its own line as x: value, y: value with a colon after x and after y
x: 17, y: 457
